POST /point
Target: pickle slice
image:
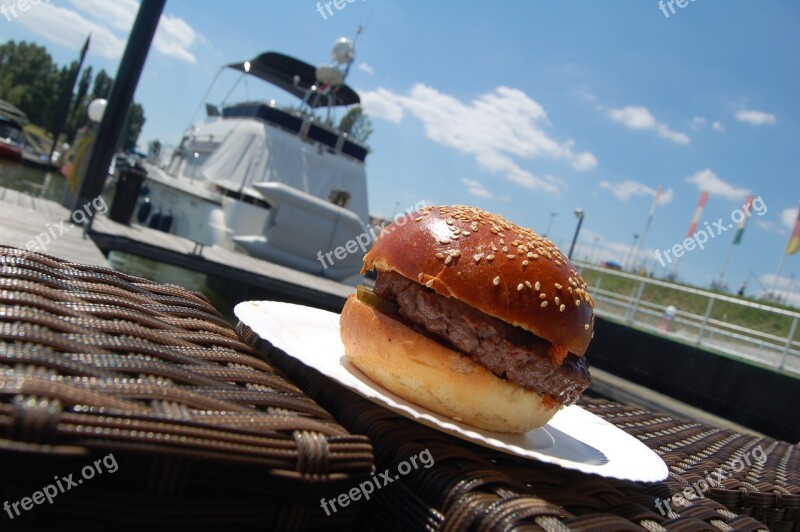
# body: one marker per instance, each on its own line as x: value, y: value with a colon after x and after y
x: 368, y: 297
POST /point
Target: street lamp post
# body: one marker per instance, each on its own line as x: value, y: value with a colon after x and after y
x: 579, y: 213
x: 628, y: 257
x: 597, y: 239
x: 550, y: 223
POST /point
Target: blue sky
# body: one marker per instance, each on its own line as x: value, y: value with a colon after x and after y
x: 523, y: 108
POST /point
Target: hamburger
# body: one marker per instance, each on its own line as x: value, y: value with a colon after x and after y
x: 473, y: 317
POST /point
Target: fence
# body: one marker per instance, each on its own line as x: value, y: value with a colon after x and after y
x: 731, y: 326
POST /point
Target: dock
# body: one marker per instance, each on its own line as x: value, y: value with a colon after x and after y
x: 28, y: 219
x: 24, y: 218
x: 279, y: 281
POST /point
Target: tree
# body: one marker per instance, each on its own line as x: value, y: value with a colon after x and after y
x: 29, y: 80
x: 356, y: 124
x: 78, y: 117
x: 135, y: 122
x: 102, y: 85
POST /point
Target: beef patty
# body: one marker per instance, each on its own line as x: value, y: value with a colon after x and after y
x: 509, y: 352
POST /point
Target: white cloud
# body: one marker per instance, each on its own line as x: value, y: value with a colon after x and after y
x: 765, y: 225
x: 717, y: 126
x: 755, y: 118
x: 174, y: 37
x: 109, y: 24
x: 494, y: 128
x: 640, y: 118
x: 633, y: 117
x: 382, y: 103
x: 476, y: 188
x: 584, y: 94
x: 675, y: 136
x: 624, y: 190
x: 789, y: 217
x: 708, y: 180
x: 364, y: 67
x: 68, y: 28
x: 698, y: 121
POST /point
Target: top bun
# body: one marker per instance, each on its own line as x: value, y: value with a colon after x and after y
x: 493, y: 265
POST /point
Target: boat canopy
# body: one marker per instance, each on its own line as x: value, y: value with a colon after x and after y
x: 280, y: 70
x: 254, y: 152
x: 11, y: 114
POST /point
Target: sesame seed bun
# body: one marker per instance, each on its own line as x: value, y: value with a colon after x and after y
x: 493, y: 265
x: 429, y: 374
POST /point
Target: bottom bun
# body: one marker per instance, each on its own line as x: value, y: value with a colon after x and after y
x: 429, y: 374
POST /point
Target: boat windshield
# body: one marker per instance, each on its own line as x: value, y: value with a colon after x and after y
x: 10, y: 132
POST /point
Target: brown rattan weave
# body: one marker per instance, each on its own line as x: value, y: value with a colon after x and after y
x: 474, y: 488
x: 93, y: 361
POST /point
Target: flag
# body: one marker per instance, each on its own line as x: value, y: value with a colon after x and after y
x: 794, y: 241
x: 655, y: 201
x: 698, y: 212
x: 748, y: 204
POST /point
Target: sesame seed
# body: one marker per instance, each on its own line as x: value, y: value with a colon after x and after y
x: 440, y: 255
x: 558, y: 262
x: 449, y: 222
x: 535, y: 256
x: 520, y: 286
x: 558, y: 286
x: 455, y: 252
x: 496, y: 280
x: 537, y: 286
x: 502, y: 241
x: 420, y: 276
x: 542, y: 296
x: 577, y: 302
x: 505, y: 249
x: 429, y: 284
x: 465, y: 233
x: 477, y: 258
x: 561, y: 308
x: 586, y: 327
x: 531, y: 254
x: 489, y: 257
x: 556, y: 300
x: 444, y: 241
x: 511, y: 256
x: 528, y: 284
x: 449, y: 259
x: 525, y: 263
x: 544, y: 304
x: 418, y: 219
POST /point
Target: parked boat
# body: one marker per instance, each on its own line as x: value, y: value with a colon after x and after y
x: 12, y: 137
x: 276, y: 183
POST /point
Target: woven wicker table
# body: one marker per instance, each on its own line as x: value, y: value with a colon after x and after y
x: 127, y: 402
x: 755, y: 482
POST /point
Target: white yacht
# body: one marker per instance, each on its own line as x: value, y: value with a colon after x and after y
x: 277, y: 184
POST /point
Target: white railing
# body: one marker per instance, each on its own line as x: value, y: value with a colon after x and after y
x: 704, y: 330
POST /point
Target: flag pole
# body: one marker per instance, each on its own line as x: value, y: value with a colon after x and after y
x: 725, y: 263
x: 698, y: 212
x: 791, y: 249
x: 638, y: 249
x: 737, y: 236
x: 778, y: 274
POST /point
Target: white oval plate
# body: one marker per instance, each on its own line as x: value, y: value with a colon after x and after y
x: 574, y: 438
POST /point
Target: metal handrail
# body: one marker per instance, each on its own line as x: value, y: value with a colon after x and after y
x: 767, y: 345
